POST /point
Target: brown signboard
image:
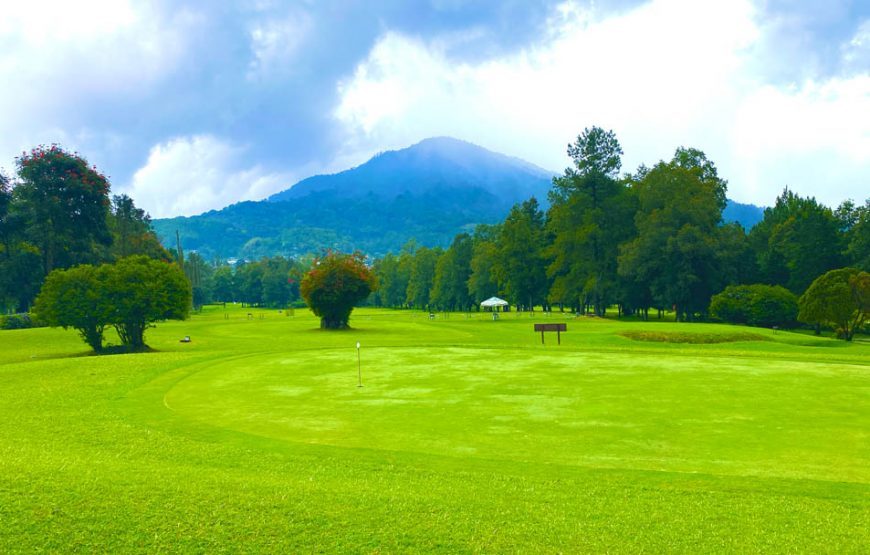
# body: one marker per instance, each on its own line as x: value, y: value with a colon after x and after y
x: 558, y: 328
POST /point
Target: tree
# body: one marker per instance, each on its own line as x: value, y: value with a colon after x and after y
x: 450, y: 288
x: 334, y: 285
x: 131, y: 231
x: 76, y: 298
x: 755, y: 305
x: 20, y: 261
x: 840, y: 298
x: 696, y: 161
x: 520, y: 267
x: 7, y: 285
x: 391, y: 291
x: 393, y: 274
x: 596, y: 152
x: 277, y: 281
x: 422, y: 277
x: 224, y: 288
x: 737, y: 259
x: 855, y: 224
x: 590, y: 215
x: 676, y: 250
x: 482, y: 283
x: 249, y: 283
x: 5, y: 202
x: 65, y: 206
x: 20, y: 275
x: 797, y: 241
x: 199, y: 274
x: 141, y: 291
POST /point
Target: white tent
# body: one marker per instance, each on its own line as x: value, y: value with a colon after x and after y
x: 493, y: 302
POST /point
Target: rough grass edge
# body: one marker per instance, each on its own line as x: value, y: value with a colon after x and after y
x: 695, y: 338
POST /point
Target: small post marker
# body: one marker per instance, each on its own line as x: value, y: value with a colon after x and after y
x: 358, y: 366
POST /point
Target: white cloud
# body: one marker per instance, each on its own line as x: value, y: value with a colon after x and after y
x: 856, y: 52
x: 190, y: 175
x: 275, y: 42
x: 58, y: 56
x: 815, y: 138
x: 665, y: 74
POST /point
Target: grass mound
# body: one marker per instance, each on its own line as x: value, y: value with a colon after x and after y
x: 694, y: 338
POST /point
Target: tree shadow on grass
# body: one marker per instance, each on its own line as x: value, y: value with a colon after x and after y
x: 123, y: 350
x: 107, y: 351
x: 379, y: 331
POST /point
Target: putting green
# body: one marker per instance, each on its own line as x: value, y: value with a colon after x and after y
x: 711, y: 414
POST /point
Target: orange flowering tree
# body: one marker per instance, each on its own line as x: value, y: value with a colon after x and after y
x: 335, y: 283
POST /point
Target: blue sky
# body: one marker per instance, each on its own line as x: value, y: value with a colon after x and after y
x: 190, y: 106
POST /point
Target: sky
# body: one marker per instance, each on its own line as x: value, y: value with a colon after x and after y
x: 193, y: 105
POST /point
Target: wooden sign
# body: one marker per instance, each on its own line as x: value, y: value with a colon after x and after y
x: 558, y: 328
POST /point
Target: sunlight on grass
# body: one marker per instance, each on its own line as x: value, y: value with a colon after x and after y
x: 467, y: 435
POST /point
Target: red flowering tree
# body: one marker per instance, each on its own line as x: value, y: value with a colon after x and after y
x: 335, y: 283
x: 65, y: 206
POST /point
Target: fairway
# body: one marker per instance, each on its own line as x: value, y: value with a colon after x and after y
x: 467, y: 435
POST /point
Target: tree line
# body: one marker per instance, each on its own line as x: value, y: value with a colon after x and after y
x: 268, y: 282
x: 649, y: 240
x: 652, y: 240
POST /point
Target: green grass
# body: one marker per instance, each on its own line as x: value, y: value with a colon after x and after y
x: 468, y: 436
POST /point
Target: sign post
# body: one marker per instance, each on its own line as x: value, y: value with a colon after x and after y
x: 558, y: 328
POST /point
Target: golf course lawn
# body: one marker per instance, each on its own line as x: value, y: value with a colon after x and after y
x: 468, y: 435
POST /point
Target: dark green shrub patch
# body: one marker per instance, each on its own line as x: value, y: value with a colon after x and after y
x: 20, y: 322
x: 755, y: 305
x: 697, y: 338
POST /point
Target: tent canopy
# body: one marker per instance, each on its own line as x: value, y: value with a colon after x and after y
x: 493, y: 302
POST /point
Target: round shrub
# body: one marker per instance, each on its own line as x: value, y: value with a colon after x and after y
x: 755, y: 305
x: 334, y: 285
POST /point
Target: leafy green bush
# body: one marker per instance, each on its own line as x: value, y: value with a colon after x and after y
x: 20, y: 322
x: 130, y: 295
x: 755, y: 305
x: 840, y: 299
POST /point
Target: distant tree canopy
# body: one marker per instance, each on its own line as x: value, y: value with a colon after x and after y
x: 335, y: 283
x: 56, y: 213
x: 840, y: 298
x: 130, y: 295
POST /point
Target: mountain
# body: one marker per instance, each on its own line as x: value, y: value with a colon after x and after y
x: 430, y: 165
x: 428, y: 192
x: 746, y: 215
